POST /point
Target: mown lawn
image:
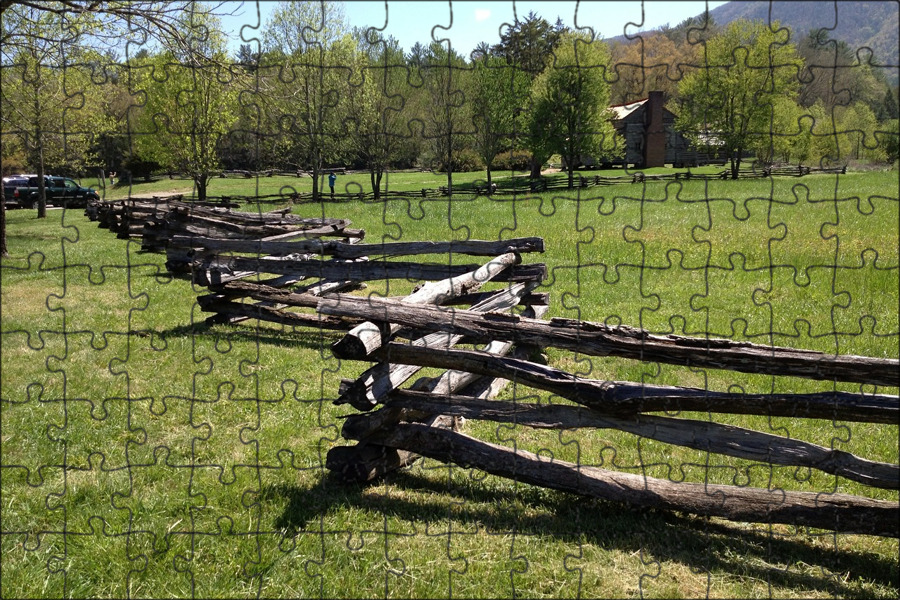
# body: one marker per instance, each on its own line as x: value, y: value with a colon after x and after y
x: 147, y: 454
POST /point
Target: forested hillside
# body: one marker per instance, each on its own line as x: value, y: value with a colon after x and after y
x: 860, y: 24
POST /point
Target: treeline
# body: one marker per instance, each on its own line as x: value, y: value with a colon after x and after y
x: 316, y: 94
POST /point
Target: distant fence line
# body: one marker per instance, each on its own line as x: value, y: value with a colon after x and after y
x: 482, y: 189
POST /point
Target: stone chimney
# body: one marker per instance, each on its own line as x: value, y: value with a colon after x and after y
x: 654, y: 132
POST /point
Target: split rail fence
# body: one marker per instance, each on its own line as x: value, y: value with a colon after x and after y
x: 281, y: 268
x: 420, y: 421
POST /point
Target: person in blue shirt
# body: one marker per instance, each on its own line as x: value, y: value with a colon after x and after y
x: 331, y: 179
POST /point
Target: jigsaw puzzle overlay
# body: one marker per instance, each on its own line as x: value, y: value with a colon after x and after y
x: 310, y: 312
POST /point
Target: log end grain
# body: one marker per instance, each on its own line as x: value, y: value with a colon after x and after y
x: 359, y: 342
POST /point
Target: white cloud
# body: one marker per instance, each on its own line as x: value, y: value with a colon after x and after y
x: 482, y: 14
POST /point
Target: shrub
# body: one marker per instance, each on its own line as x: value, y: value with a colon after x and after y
x: 516, y: 160
x: 464, y: 161
x: 138, y: 168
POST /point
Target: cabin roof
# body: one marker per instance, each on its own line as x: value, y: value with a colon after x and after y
x: 623, y: 110
x: 632, y: 112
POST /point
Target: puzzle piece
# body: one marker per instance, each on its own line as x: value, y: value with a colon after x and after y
x: 184, y: 404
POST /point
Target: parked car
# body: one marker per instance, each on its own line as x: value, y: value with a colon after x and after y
x: 10, y: 184
x: 60, y: 191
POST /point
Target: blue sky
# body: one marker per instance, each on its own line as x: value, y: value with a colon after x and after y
x: 470, y: 22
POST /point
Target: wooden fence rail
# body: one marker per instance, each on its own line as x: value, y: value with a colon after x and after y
x: 397, y: 424
x: 840, y: 512
x: 604, y: 340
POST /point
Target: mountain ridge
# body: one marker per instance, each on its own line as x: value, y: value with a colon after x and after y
x: 865, y: 26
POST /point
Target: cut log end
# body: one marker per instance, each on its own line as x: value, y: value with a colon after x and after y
x: 359, y: 342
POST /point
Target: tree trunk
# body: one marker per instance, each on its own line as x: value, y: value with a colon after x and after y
x: 375, y: 174
x: 202, y: 183
x: 570, y: 168
x: 42, y: 187
x: 3, y: 249
x: 489, y: 182
x: 316, y: 171
x: 535, y: 168
x: 736, y: 163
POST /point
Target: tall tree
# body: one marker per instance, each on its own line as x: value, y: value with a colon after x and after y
x: 191, y: 102
x: 35, y: 96
x: 110, y: 24
x: 857, y: 125
x: 529, y: 43
x: 784, y: 139
x: 498, y: 95
x: 446, y: 121
x: 307, y: 53
x: 377, y: 121
x: 571, y: 98
x: 747, y: 67
x: 834, y: 75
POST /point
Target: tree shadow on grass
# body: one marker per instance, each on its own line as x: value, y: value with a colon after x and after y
x: 704, y: 545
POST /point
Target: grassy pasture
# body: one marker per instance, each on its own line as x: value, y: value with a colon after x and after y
x: 146, y: 454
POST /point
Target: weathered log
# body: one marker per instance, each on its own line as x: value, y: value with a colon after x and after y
x: 272, y: 295
x: 161, y: 230
x: 727, y: 440
x: 370, y: 271
x: 532, y: 299
x: 273, y: 231
x: 374, y: 384
x: 377, y: 460
x: 839, y: 512
x: 362, y: 425
x: 348, y: 251
x: 243, y: 289
x: 325, y: 286
x: 273, y: 315
x: 454, y: 379
x: 233, y: 219
x: 627, y: 342
x: 269, y: 293
x: 224, y: 230
x: 368, y: 336
x: 366, y: 462
x: 626, y: 398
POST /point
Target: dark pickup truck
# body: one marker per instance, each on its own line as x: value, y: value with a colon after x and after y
x: 60, y: 191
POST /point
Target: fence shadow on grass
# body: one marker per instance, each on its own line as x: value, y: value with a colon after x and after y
x: 309, y: 339
x: 705, y: 546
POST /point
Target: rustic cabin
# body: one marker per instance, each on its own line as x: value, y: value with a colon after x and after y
x: 648, y: 137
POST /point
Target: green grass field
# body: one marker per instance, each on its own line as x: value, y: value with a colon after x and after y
x: 147, y: 454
